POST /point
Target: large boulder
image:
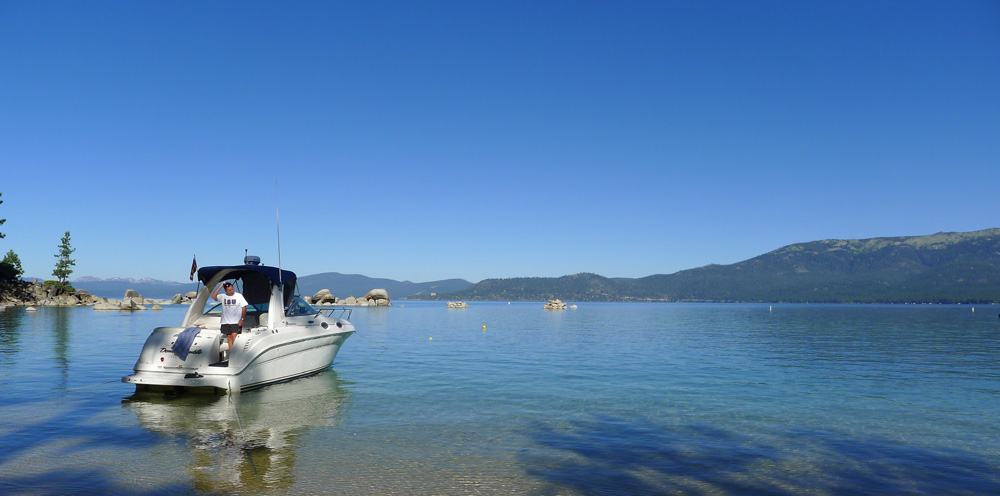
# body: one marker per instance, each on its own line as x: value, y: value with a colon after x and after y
x: 106, y: 304
x: 191, y: 295
x: 323, y: 297
x: 555, y: 305
x: 177, y: 299
x: 351, y: 301
x: 377, y: 294
x: 378, y: 298
x: 132, y: 300
x: 84, y: 297
x: 458, y: 304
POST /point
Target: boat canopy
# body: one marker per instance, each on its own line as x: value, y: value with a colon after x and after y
x: 257, y: 280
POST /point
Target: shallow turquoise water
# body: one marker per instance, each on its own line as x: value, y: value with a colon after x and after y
x: 603, y: 399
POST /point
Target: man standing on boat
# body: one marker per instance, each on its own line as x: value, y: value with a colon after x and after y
x: 234, y: 310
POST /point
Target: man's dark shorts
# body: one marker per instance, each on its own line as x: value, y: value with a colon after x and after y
x: 228, y: 329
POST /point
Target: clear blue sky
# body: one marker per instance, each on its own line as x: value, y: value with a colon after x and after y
x: 433, y: 140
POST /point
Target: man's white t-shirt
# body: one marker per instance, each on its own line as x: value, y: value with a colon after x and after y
x: 232, y: 307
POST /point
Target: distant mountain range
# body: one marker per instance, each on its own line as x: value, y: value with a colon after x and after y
x: 115, y: 287
x: 144, y: 280
x: 344, y: 285
x: 938, y: 268
x: 340, y: 285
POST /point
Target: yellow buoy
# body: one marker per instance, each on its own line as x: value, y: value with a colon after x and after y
x: 430, y: 339
x: 484, y: 328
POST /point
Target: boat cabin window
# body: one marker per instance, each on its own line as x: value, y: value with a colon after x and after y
x: 298, y: 306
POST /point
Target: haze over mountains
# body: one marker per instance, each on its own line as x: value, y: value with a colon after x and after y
x: 938, y: 268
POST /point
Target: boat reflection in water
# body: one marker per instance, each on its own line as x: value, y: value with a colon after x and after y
x: 244, y: 442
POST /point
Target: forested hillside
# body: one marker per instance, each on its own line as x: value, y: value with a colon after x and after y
x: 939, y: 268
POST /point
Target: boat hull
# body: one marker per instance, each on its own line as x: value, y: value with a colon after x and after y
x: 259, y: 358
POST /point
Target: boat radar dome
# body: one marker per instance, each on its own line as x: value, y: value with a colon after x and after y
x: 251, y: 260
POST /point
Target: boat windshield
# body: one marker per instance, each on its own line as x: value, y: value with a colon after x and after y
x: 298, y: 306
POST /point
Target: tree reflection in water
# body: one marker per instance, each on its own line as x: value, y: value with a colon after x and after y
x: 244, y: 442
x: 10, y: 333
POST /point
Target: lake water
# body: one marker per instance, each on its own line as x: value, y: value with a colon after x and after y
x: 605, y: 399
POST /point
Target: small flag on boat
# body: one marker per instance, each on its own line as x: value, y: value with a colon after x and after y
x: 194, y: 266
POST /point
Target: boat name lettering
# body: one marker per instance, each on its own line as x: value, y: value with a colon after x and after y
x: 192, y: 352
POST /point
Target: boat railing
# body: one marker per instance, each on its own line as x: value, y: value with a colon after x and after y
x: 341, y: 313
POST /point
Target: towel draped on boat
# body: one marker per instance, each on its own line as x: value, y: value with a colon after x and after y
x: 183, y: 342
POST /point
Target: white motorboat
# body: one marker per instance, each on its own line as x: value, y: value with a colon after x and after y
x: 283, y: 337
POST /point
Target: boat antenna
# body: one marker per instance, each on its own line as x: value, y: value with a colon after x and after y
x: 277, y: 225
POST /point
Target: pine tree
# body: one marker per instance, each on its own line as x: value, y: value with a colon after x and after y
x: 63, y: 263
x: 11, y: 285
x: 14, y: 262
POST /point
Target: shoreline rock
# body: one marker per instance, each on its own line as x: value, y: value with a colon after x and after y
x: 39, y: 296
x: 36, y: 295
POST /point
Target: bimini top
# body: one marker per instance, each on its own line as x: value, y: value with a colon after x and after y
x: 276, y: 275
x: 257, y: 280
